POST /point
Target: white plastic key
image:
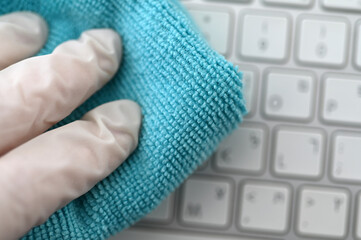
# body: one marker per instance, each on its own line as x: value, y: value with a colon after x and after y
x: 250, y: 79
x: 265, y: 207
x: 298, y: 3
x: 264, y: 35
x: 239, y: 1
x: 289, y: 94
x: 322, y: 40
x: 138, y: 234
x: 357, y: 47
x: 346, y: 156
x: 358, y: 217
x: 298, y: 152
x: 323, y: 212
x: 342, y: 99
x: 206, y: 202
x: 163, y: 213
x: 354, y: 5
x: 243, y: 151
x: 215, y: 26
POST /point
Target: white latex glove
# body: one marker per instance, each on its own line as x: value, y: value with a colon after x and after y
x: 41, y: 172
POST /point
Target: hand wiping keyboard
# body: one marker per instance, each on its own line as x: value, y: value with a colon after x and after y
x: 190, y: 96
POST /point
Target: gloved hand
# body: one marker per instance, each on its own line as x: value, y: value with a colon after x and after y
x: 41, y: 172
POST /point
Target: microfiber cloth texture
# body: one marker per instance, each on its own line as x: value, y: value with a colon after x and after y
x: 191, y: 99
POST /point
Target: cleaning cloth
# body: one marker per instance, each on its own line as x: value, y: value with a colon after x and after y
x: 191, y: 99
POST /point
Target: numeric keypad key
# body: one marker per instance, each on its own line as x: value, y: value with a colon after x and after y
x: 288, y: 3
x: 357, y: 46
x: 250, y: 84
x: 358, y: 217
x: 322, y: 40
x: 346, y: 156
x: 215, y: 25
x: 353, y: 5
x: 289, y: 94
x: 342, y: 99
x: 265, y: 207
x: 206, y: 202
x: 298, y: 152
x: 264, y: 35
x: 323, y: 212
x: 243, y: 151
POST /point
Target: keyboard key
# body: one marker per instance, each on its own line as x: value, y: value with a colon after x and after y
x: 297, y: 3
x: 264, y: 36
x: 250, y: 78
x: 322, y: 40
x: 358, y: 217
x: 323, y: 212
x: 299, y: 152
x: 243, y: 151
x: 161, y: 235
x: 295, y: 103
x: 354, y: 5
x: 206, y: 202
x: 215, y: 26
x: 357, y: 46
x: 163, y: 213
x: 238, y: 1
x: 342, y: 99
x: 265, y: 207
x: 346, y: 162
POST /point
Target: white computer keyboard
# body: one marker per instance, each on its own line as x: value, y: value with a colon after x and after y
x: 293, y: 169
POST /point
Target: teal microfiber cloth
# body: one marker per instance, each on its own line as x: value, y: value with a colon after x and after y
x: 191, y: 99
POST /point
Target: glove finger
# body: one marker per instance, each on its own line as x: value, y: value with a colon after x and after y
x: 58, y: 166
x: 38, y: 92
x: 22, y: 35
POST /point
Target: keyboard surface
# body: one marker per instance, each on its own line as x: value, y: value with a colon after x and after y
x: 293, y: 168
